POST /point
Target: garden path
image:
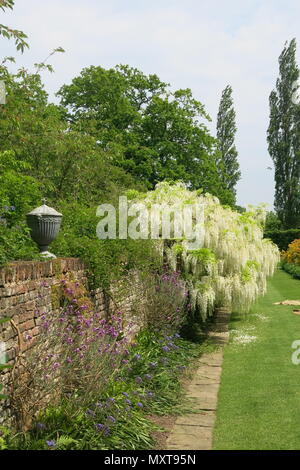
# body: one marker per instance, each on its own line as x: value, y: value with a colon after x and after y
x: 194, y: 431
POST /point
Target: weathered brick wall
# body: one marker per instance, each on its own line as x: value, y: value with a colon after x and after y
x: 125, y: 296
x: 26, y: 291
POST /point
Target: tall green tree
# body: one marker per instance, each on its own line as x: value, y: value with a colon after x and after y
x: 154, y: 134
x: 228, y: 165
x: 283, y: 137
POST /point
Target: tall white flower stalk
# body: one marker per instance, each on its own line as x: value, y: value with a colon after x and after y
x: 231, y: 267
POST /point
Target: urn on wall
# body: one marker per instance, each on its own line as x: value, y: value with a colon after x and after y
x: 44, y: 223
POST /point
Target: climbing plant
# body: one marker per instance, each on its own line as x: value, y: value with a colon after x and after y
x: 231, y: 265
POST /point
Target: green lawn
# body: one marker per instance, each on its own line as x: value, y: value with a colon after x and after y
x: 259, y: 397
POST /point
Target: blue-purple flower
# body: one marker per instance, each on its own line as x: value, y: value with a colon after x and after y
x: 51, y: 443
x: 153, y: 364
x: 111, y: 419
x: 41, y: 426
x: 99, y: 426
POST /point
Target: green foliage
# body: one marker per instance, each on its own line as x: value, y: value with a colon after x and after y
x: 18, y: 192
x: 292, y: 269
x: 5, y: 435
x: 10, y: 33
x: 272, y: 222
x: 177, y: 248
x: 282, y: 238
x: 253, y: 265
x: 16, y: 244
x: 228, y: 166
x: 204, y: 255
x: 283, y: 139
x: 148, y: 383
x: 106, y: 259
x: 62, y: 159
x: 2, y: 367
x: 155, y: 134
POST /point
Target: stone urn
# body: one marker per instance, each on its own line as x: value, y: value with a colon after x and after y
x: 44, y: 223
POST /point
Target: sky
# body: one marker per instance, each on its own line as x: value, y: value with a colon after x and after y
x: 197, y: 44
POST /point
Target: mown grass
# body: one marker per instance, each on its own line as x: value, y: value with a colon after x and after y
x: 259, y: 396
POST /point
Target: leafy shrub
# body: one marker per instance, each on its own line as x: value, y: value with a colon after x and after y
x: 163, y: 301
x: 147, y: 382
x: 76, y: 353
x: 106, y: 260
x: 292, y: 255
x: 16, y: 244
x: 272, y: 222
x: 292, y: 269
x: 18, y: 192
x: 282, y: 238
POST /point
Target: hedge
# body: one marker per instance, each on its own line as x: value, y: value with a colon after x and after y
x: 283, y: 238
x: 292, y: 269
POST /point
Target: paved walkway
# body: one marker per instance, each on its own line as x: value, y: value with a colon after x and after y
x: 194, y: 431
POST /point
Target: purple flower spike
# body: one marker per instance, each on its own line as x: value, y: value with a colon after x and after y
x: 111, y: 419
x: 41, y: 426
x: 153, y: 364
x: 99, y: 426
x: 51, y: 443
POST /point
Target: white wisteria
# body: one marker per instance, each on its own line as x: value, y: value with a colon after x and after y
x: 231, y: 267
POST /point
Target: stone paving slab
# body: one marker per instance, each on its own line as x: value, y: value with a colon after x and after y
x: 204, y: 401
x: 204, y: 418
x: 190, y: 444
x: 206, y: 372
x: 194, y: 431
x: 184, y: 438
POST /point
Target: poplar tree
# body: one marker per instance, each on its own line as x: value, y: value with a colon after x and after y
x: 228, y: 165
x: 283, y: 138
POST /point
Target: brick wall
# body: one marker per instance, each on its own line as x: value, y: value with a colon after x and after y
x: 26, y: 290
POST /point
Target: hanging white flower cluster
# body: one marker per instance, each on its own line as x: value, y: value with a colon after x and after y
x: 231, y: 267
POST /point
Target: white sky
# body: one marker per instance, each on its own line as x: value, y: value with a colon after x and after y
x: 198, y: 44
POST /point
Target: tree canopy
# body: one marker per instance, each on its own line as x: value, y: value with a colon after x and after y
x: 228, y: 165
x: 283, y: 139
x: 154, y: 134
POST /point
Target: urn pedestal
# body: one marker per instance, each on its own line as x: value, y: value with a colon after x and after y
x: 44, y: 223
